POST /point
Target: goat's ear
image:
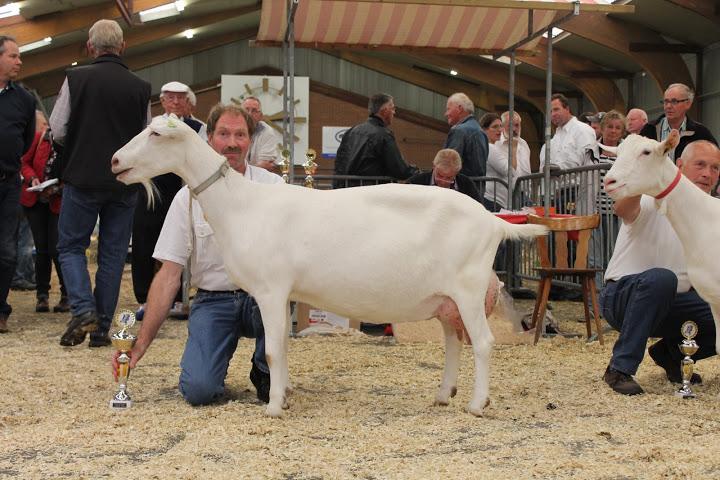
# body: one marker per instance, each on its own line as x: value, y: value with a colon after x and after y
x: 671, y: 141
x: 166, y: 126
x: 608, y: 149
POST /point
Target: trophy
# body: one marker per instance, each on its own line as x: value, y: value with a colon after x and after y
x: 310, y: 168
x: 124, y: 342
x: 285, y: 164
x: 688, y: 347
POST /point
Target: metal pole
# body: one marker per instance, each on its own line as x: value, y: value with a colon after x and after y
x: 290, y: 112
x: 511, y: 121
x: 548, y: 94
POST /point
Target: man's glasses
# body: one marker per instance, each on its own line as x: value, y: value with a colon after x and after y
x: 673, y: 101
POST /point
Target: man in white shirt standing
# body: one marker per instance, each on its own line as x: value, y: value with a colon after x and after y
x: 264, y: 146
x: 572, y: 137
x: 221, y: 313
x: 647, y: 291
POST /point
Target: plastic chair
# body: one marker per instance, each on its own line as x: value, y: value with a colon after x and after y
x: 568, y: 229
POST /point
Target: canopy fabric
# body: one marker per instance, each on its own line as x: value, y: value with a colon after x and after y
x: 404, y: 24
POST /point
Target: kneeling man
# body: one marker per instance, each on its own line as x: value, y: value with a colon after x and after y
x: 647, y: 292
x: 221, y: 313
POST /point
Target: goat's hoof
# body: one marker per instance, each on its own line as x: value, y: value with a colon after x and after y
x: 478, y: 411
x: 441, y: 403
x: 453, y: 392
x: 274, y: 411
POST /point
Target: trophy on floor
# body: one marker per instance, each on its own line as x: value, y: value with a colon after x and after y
x: 310, y: 168
x: 285, y: 164
x: 124, y: 342
x: 688, y: 347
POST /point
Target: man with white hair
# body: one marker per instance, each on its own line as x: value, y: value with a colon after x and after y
x: 635, y: 120
x: 465, y: 136
x: 101, y: 106
x: 189, y: 112
x: 496, y: 195
x: 677, y: 100
x: 264, y: 143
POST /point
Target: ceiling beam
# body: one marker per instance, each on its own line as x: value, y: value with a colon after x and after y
x: 59, y: 23
x: 435, y: 82
x: 487, y: 73
x: 602, y: 74
x: 516, y: 4
x: 709, y: 9
x: 48, y: 84
x: 616, y: 34
x: 62, y: 57
x: 664, y: 48
x: 125, y: 11
x: 603, y: 93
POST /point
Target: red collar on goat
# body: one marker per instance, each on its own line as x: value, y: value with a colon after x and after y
x: 670, y: 187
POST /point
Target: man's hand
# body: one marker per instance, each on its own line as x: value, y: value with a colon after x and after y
x: 135, y: 355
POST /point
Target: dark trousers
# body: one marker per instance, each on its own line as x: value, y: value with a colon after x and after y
x: 9, y: 207
x: 44, y: 226
x: 647, y: 305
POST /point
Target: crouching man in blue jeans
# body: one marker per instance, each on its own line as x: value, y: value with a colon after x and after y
x: 647, y: 292
x: 221, y: 313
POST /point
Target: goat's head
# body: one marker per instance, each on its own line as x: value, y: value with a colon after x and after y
x: 639, y: 165
x: 160, y: 148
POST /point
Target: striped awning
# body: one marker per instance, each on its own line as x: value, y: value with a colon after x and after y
x: 468, y: 26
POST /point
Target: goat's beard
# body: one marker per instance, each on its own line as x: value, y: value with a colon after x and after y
x: 151, y: 191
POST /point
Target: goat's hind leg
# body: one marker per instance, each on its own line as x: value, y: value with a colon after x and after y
x: 473, y: 315
x: 453, y: 349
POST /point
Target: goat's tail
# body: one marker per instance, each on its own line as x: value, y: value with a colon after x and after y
x: 518, y: 232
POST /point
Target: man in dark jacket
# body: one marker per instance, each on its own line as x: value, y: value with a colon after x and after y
x: 446, y: 174
x: 465, y: 136
x: 369, y: 149
x: 677, y: 100
x: 17, y: 129
x: 100, y: 107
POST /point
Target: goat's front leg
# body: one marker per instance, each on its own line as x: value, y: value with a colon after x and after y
x: 277, y: 328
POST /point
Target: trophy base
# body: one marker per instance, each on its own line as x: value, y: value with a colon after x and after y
x: 685, y: 393
x: 120, y: 404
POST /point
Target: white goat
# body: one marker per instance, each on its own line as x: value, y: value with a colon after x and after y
x: 375, y: 254
x: 642, y: 166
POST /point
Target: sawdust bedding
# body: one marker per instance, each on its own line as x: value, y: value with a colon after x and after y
x: 361, y: 408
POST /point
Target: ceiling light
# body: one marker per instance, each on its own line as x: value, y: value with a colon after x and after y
x: 162, y: 11
x: 32, y: 46
x: 9, y: 10
x: 188, y: 34
x: 453, y: 72
x: 73, y: 64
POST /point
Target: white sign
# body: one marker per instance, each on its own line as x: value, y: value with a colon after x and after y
x: 321, y: 316
x: 234, y: 88
x: 331, y: 137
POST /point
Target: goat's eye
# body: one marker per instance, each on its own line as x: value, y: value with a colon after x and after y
x: 154, y: 134
x: 646, y: 152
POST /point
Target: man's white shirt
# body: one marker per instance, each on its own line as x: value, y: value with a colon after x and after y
x: 174, y: 243
x: 568, y: 145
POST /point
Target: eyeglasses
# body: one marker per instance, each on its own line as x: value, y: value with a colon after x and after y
x: 673, y: 101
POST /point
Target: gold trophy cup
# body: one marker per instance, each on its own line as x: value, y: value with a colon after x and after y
x: 123, y: 341
x: 285, y: 164
x: 310, y: 168
x: 688, y: 347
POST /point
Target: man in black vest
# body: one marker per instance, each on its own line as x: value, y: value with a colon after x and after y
x: 100, y: 107
x: 17, y: 129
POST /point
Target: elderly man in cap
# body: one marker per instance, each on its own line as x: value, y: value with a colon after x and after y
x: 147, y: 222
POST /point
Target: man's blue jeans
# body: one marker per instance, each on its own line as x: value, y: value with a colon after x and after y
x: 217, y: 321
x: 647, y: 305
x: 78, y: 214
x: 9, y: 208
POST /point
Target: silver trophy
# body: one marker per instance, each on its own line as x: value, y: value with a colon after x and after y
x: 688, y: 347
x: 124, y: 342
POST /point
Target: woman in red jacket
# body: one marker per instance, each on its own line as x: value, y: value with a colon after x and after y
x: 42, y: 210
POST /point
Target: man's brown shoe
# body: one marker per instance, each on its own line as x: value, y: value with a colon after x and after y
x: 78, y: 327
x: 3, y: 323
x: 42, y: 304
x: 622, y: 382
x: 62, y: 306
